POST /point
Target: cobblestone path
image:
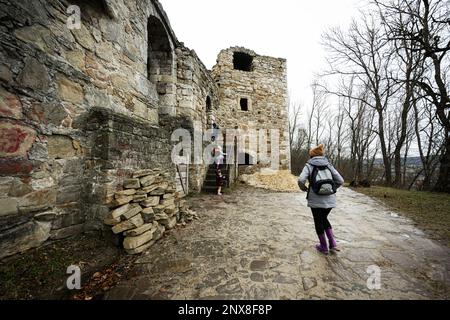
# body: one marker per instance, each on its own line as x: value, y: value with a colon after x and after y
x: 257, y: 244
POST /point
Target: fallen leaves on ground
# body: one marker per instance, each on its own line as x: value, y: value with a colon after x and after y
x: 102, y: 281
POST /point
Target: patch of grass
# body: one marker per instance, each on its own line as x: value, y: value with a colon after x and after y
x: 429, y: 210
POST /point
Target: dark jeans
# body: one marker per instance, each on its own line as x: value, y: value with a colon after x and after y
x: 321, y: 219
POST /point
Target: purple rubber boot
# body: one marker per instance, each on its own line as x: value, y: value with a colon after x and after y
x: 322, y: 247
x: 331, y: 240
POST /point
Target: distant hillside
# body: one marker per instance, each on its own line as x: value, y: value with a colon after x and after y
x: 410, y: 162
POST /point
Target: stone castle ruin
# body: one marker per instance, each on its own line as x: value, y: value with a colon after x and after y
x: 84, y: 110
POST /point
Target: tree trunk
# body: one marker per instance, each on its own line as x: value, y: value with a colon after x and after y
x: 386, y: 160
x: 443, y: 182
x: 405, y: 160
x: 414, y: 179
x: 360, y: 169
x: 404, y: 124
x: 397, y: 168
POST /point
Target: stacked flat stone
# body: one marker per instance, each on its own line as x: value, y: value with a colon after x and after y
x: 146, y: 207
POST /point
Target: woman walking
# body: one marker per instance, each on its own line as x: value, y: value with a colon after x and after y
x: 323, y: 180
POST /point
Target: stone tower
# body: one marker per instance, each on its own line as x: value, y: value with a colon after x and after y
x: 253, y: 97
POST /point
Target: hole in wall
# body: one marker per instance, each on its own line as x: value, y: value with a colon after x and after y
x: 244, y: 104
x: 242, y: 61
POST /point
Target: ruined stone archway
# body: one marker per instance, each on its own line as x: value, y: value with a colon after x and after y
x: 161, y: 65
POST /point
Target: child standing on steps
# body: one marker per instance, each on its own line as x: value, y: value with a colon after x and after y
x: 219, y: 156
x: 219, y: 181
x: 323, y: 180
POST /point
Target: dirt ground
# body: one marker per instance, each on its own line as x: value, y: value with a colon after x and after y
x: 41, y: 273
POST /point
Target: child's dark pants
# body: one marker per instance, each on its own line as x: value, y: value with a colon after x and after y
x: 321, y: 219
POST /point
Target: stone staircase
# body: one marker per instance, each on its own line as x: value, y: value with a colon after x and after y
x: 209, y: 185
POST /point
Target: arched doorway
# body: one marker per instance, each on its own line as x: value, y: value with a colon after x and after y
x: 160, y: 64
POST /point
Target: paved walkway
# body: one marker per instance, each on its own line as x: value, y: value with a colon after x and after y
x: 257, y: 244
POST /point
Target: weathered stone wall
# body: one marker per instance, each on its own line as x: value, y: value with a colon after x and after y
x: 265, y: 87
x: 51, y: 181
x: 82, y: 109
x: 195, y: 86
x: 118, y: 145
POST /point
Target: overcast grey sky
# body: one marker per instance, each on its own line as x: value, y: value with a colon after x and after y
x: 289, y: 29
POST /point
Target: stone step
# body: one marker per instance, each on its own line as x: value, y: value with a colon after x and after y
x: 214, y: 169
x: 213, y: 174
x: 213, y: 166
x: 209, y: 189
x: 209, y: 184
x: 212, y: 180
x: 212, y: 183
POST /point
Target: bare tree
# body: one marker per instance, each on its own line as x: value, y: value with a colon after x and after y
x: 372, y: 153
x: 363, y: 53
x: 408, y: 70
x: 330, y: 140
x: 340, y: 139
x: 301, y: 139
x: 424, y: 26
x: 320, y: 116
x: 316, y: 115
x: 429, y: 136
x: 408, y: 142
x: 395, y: 69
x: 294, y: 121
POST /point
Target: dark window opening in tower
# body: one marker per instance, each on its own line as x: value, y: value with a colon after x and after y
x: 242, y: 61
x: 208, y: 104
x: 244, y: 104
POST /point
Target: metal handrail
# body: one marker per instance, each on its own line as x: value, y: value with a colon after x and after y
x: 181, y: 180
